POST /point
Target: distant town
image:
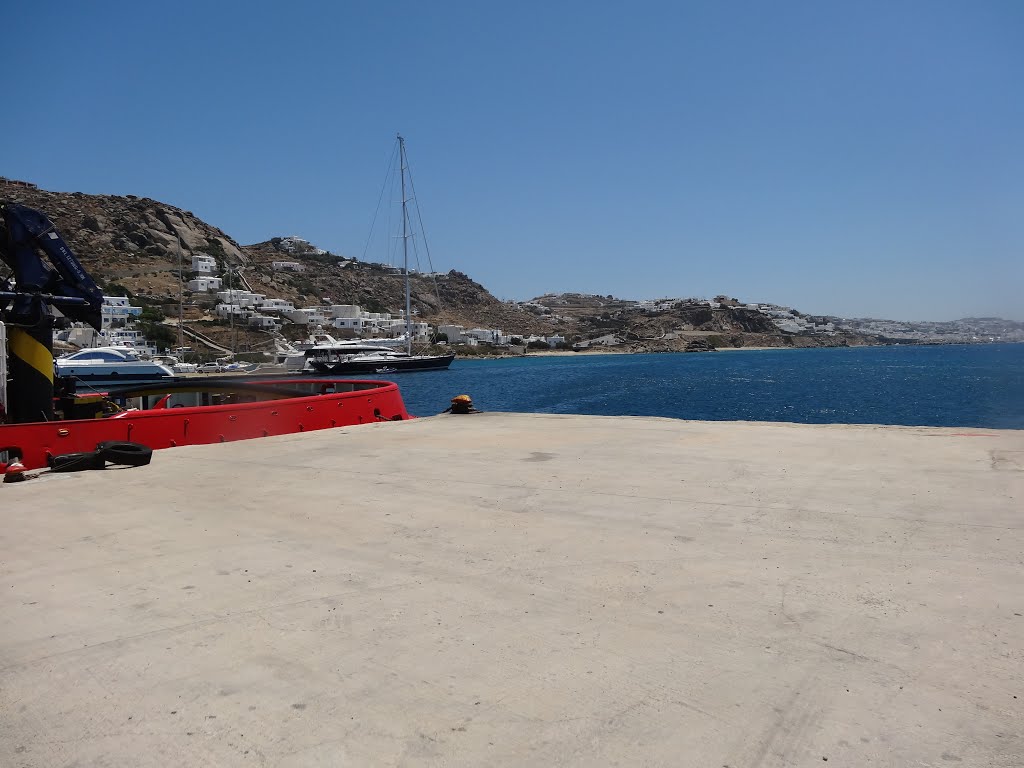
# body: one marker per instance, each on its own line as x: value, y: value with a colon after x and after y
x: 261, y: 312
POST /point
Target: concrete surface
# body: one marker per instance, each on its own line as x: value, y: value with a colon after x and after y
x: 522, y: 590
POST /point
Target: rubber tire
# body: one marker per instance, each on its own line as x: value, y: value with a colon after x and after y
x: 127, y: 454
x: 77, y: 462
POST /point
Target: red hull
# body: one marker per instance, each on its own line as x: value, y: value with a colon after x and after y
x: 171, y: 427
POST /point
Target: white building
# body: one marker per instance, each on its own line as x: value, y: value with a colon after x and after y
x: 418, y: 330
x: 487, y: 335
x: 275, y: 305
x: 264, y: 322
x: 353, y: 325
x: 392, y: 326
x: 117, y: 311
x: 344, y: 310
x: 204, y: 264
x: 455, y: 333
x: 204, y: 284
x: 294, y: 243
x: 790, y: 325
x: 123, y: 337
x: 242, y: 298
x: 117, y: 326
x: 288, y: 266
x: 80, y: 335
x: 227, y: 310
x: 306, y: 316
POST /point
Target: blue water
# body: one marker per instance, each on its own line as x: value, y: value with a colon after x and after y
x: 969, y: 386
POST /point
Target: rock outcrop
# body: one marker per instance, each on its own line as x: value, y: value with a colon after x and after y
x: 126, y: 239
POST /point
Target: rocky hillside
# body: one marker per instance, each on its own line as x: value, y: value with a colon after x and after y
x: 131, y: 244
x: 127, y: 240
x: 685, y: 325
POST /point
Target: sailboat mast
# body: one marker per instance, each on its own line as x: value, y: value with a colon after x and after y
x: 405, y: 247
x: 231, y: 315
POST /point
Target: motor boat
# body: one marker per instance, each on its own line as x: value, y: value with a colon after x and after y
x: 105, y: 365
x: 176, y: 365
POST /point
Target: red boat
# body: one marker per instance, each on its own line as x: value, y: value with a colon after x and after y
x: 83, y: 431
x: 194, y: 412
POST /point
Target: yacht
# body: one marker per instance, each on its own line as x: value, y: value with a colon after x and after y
x: 353, y: 357
x: 110, y: 365
x: 176, y: 365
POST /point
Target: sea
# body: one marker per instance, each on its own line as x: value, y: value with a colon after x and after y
x: 952, y: 386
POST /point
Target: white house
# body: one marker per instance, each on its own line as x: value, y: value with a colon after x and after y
x: 227, y: 310
x: 306, y: 316
x: 117, y: 311
x: 204, y: 284
x: 264, y: 322
x: 418, y: 330
x: 275, y: 305
x: 242, y: 298
x: 288, y: 266
x: 344, y: 310
x: 204, y: 264
x: 294, y: 243
x: 352, y: 324
x: 488, y: 335
x: 453, y: 332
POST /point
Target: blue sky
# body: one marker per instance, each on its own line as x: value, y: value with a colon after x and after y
x: 858, y: 158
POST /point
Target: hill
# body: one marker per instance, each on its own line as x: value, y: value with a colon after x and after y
x: 133, y: 246
x: 130, y: 244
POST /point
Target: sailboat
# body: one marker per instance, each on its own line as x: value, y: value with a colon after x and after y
x: 349, y: 357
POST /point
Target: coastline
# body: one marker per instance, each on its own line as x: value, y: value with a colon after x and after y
x: 751, y: 348
x: 604, y: 353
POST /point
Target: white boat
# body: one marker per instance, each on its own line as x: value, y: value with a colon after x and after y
x: 291, y: 357
x: 110, y: 365
x: 176, y: 365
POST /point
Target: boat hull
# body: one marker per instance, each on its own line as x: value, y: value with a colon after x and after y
x: 368, y: 402
x: 349, y: 368
x: 106, y: 378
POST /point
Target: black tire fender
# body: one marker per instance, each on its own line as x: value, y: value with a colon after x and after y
x: 128, y: 454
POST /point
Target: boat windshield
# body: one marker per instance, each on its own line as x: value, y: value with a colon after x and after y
x: 109, y: 356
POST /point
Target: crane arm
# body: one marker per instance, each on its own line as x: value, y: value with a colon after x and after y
x: 66, y: 282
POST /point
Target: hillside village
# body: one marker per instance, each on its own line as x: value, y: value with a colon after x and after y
x: 172, y: 280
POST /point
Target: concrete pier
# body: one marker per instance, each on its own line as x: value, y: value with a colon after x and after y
x: 518, y: 590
